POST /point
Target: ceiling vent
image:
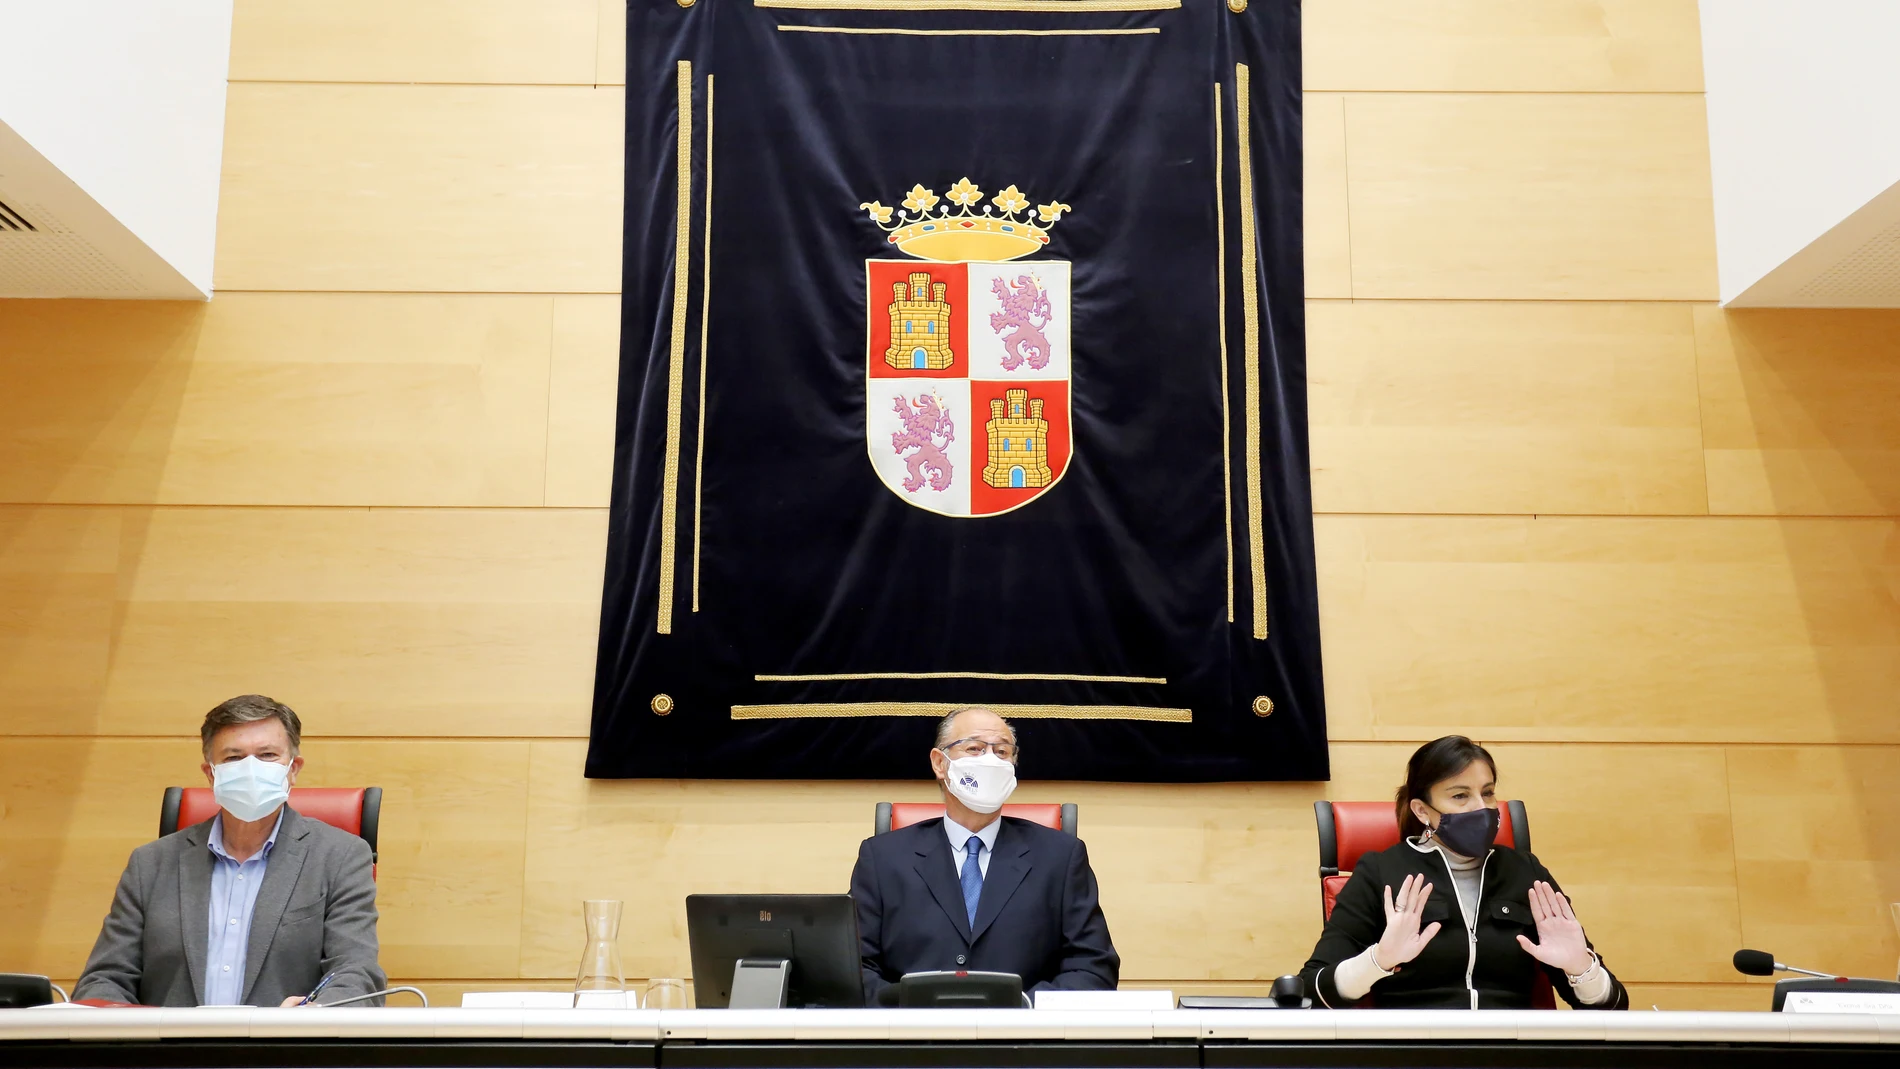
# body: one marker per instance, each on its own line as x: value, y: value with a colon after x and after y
x: 13, y: 220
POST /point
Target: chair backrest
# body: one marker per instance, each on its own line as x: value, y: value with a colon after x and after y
x: 357, y: 810
x: 893, y: 815
x: 1350, y: 830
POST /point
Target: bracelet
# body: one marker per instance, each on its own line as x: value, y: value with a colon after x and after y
x: 1595, y: 964
x: 1372, y: 952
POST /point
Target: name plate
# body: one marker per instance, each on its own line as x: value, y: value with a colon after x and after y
x: 1842, y: 1002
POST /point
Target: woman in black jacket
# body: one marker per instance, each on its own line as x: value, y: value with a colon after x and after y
x: 1495, y: 919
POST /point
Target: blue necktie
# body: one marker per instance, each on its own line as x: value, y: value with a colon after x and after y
x: 972, y: 877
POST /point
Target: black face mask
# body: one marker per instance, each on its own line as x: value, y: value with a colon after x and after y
x: 1470, y: 834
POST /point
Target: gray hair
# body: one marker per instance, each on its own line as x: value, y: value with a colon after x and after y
x: 247, y: 709
x: 948, y: 724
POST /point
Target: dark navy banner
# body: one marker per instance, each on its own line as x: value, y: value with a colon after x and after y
x: 962, y: 362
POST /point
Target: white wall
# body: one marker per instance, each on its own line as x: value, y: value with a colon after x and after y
x: 126, y: 98
x: 1804, y: 122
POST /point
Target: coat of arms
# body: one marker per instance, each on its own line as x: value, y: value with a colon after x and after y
x: 967, y: 352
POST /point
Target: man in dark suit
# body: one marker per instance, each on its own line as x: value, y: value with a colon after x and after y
x: 977, y: 890
x: 255, y: 906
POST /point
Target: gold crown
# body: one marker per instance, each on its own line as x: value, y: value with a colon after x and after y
x: 995, y: 234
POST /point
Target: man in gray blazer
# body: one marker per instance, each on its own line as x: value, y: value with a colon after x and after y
x: 255, y: 906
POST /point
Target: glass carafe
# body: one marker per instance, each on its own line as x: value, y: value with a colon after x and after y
x: 600, y: 984
x: 1896, y: 929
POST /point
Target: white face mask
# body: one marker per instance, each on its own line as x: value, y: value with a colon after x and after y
x: 250, y: 789
x: 983, y: 782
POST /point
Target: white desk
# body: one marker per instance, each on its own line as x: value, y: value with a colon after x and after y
x: 769, y: 1039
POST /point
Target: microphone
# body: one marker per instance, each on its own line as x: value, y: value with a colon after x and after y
x: 416, y: 991
x: 1762, y: 963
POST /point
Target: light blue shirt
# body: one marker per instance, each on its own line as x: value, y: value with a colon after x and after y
x: 960, y: 838
x: 234, y: 886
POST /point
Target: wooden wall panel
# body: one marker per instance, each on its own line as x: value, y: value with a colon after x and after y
x: 1503, y: 407
x: 542, y: 42
x: 452, y: 843
x: 582, y: 393
x: 1816, y: 855
x: 610, y: 61
x: 1328, y: 231
x: 1637, y: 630
x: 421, y: 187
x: 1530, y: 196
x: 59, y: 570
x: 374, y: 623
x: 309, y: 398
x: 1800, y: 410
x: 1602, y: 46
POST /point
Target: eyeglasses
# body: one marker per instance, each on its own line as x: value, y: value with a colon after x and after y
x: 977, y: 748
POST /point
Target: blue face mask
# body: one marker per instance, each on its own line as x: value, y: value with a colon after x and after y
x: 250, y: 789
x: 1469, y: 834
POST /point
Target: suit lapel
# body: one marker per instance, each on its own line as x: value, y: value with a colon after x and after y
x: 1007, y: 870
x: 940, y: 876
x: 280, y: 879
x: 194, y: 902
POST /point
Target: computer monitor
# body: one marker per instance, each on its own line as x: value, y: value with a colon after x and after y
x: 787, y: 950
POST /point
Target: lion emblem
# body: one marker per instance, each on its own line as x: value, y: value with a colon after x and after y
x: 1020, y: 324
x: 924, y: 424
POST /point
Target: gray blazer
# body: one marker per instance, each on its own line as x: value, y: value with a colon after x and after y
x: 315, y: 914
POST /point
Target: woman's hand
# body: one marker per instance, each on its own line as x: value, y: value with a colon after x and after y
x: 1402, y: 940
x: 1560, y: 939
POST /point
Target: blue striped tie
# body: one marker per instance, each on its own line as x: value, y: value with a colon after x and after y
x: 972, y: 877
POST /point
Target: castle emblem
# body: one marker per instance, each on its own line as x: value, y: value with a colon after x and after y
x: 920, y: 324
x: 1019, y: 442
x: 971, y: 328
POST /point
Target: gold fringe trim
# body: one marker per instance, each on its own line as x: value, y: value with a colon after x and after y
x: 1033, y: 676
x: 1226, y: 418
x: 966, y: 33
x: 1056, y: 7
x: 943, y: 709
x: 676, y: 371
x: 1250, y: 348
x: 705, y: 317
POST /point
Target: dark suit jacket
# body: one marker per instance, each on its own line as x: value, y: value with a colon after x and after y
x: 315, y: 914
x: 1039, y: 916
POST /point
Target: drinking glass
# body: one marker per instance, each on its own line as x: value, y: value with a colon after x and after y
x: 666, y: 994
x: 599, y: 984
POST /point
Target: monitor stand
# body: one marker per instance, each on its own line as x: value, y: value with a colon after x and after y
x: 760, y: 983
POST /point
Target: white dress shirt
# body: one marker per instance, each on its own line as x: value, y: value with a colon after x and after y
x: 960, y: 838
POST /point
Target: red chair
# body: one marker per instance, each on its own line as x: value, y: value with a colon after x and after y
x: 1350, y: 830
x: 357, y: 810
x: 892, y: 815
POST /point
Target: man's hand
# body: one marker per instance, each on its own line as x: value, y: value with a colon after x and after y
x: 1560, y: 939
x: 292, y: 1002
x: 1402, y: 940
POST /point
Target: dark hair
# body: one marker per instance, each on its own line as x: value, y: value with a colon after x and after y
x: 1437, y: 760
x: 248, y: 708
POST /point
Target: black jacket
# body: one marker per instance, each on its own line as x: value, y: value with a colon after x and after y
x: 1501, y: 972
x: 1038, y: 917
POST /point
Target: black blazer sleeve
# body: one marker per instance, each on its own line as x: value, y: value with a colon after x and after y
x: 1358, y: 921
x: 870, y: 907
x: 1619, y: 995
x: 1089, y: 961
